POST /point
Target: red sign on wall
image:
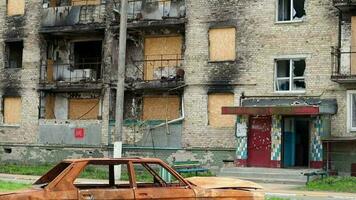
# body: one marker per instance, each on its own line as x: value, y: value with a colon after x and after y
x: 79, y: 133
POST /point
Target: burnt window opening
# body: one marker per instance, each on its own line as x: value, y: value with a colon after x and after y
x: 290, y: 10
x: 13, y: 54
x: 58, y: 3
x: 87, y: 57
x: 290, y: 75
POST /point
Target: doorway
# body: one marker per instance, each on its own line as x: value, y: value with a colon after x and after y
x: 259, y: 142
x: 296, y: 140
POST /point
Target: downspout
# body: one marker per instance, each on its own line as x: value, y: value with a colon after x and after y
x: 174, y: 120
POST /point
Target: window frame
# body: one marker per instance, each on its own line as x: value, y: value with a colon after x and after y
x: 291, y: 13
x: 7, y: 54
x: 349, y: 120
x: 290, y: 78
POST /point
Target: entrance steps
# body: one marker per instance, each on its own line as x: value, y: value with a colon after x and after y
x: 267, y: 175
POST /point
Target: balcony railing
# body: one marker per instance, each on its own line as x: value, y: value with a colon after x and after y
x: 344, y: 2
x: 155, y: 10
x: 160, y: 67
x: 69, y: 13
x: 343, y: 64
x: 87, y: 71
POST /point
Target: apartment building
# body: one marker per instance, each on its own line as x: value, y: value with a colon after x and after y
x: 282, y: 67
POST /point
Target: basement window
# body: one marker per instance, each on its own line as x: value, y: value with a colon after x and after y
x: 290, y: 10
x: 12, y: 107
x: 290, y: 75
x: 215, y: 103
x: 15, y: 7
x: 13, y: 54
x: 222, y: 44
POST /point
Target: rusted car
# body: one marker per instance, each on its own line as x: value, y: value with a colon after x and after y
x: 141, y: 178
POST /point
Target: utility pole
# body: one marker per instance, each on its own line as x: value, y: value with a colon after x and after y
x: 120, y: 88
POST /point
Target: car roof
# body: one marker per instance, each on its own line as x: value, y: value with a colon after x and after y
x: 110, y: 160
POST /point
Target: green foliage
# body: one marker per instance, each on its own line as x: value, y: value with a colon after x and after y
x: 10, y: 186
x: 37, y: 170
x: 334, y: 184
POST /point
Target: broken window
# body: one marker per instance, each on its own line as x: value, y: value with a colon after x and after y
x: 58, y: 3
x: 163, y: 57
x: 215, y: 103
x: 290, y: 75
x: 352, y: 110
x: 289, y: 10
x: 83, y: 109
x: 12, y: 110
x: 222, y: 44
x: 86, y: 65
x: 15, y: 7
x: 161, y: 107
x: 13, y: 53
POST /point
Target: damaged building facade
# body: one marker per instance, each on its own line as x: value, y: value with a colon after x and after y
x: 289, y: 94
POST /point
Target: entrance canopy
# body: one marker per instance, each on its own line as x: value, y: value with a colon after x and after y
x: 273, y: 110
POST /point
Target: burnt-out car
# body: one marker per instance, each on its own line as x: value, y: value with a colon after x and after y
x: 141, y: 178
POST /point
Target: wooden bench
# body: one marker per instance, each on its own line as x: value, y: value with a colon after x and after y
x: 321, y: 173
x: 188, y: 167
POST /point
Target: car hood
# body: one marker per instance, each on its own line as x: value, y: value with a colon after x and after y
x: 219, y: 182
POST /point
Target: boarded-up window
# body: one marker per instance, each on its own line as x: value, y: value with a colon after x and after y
x: 216, y: 102
x: 162, y: 55
x: 12, y: 110
x: 50, y: 102
x: 222, y: 44
x: 15, y: 7
x: 85, y: 2
x: 83, y: 109
x: 161, y: 107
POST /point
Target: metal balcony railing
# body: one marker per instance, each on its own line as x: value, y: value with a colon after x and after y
x: 343, y: 62
x: 59, y: 3
x: 86, y: 71
x: 155, y: 9
x: 69, y: 13
x: 160, y: 67
x: 344, y: 2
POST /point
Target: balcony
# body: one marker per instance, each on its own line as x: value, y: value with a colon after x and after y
x: 345, y: 5
x: 86, y: 73
x: 157, y: 71
x: 343, y: 65
x: 62, y: 15
x: 156, y: 12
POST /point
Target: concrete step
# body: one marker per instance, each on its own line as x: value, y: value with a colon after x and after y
x: 267, y: 175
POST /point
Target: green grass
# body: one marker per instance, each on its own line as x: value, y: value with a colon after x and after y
x: 89, y: 173
x: 333, y: 184
x: 10, y: 186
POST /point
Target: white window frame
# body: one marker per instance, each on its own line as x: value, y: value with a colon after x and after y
x: 349, y: 110
x: 291, y: 13
x: 290, y: 78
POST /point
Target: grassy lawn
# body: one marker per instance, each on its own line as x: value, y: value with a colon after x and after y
x: 9, y: 186
x: 88, y: 173
x: 333, y: 184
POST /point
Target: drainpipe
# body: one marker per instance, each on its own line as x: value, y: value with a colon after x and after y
x: 174, y: 120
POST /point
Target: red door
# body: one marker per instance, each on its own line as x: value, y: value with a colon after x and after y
x: 259, y: 142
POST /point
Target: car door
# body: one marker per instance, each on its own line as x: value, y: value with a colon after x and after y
x: 152, y: 184
x: 107, y: 194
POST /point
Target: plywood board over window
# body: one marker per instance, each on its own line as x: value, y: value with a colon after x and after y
x: 12, y: 110
x: 216, y: 102
x: 222, y: 44
x: 161, y: 52
x: 15, y: 7
x: 50, y: 102
x: 83, y: 109
x: 161, y: 107
x: 85, y: 2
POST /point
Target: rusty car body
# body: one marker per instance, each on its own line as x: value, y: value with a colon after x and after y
x: 61, y: 182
